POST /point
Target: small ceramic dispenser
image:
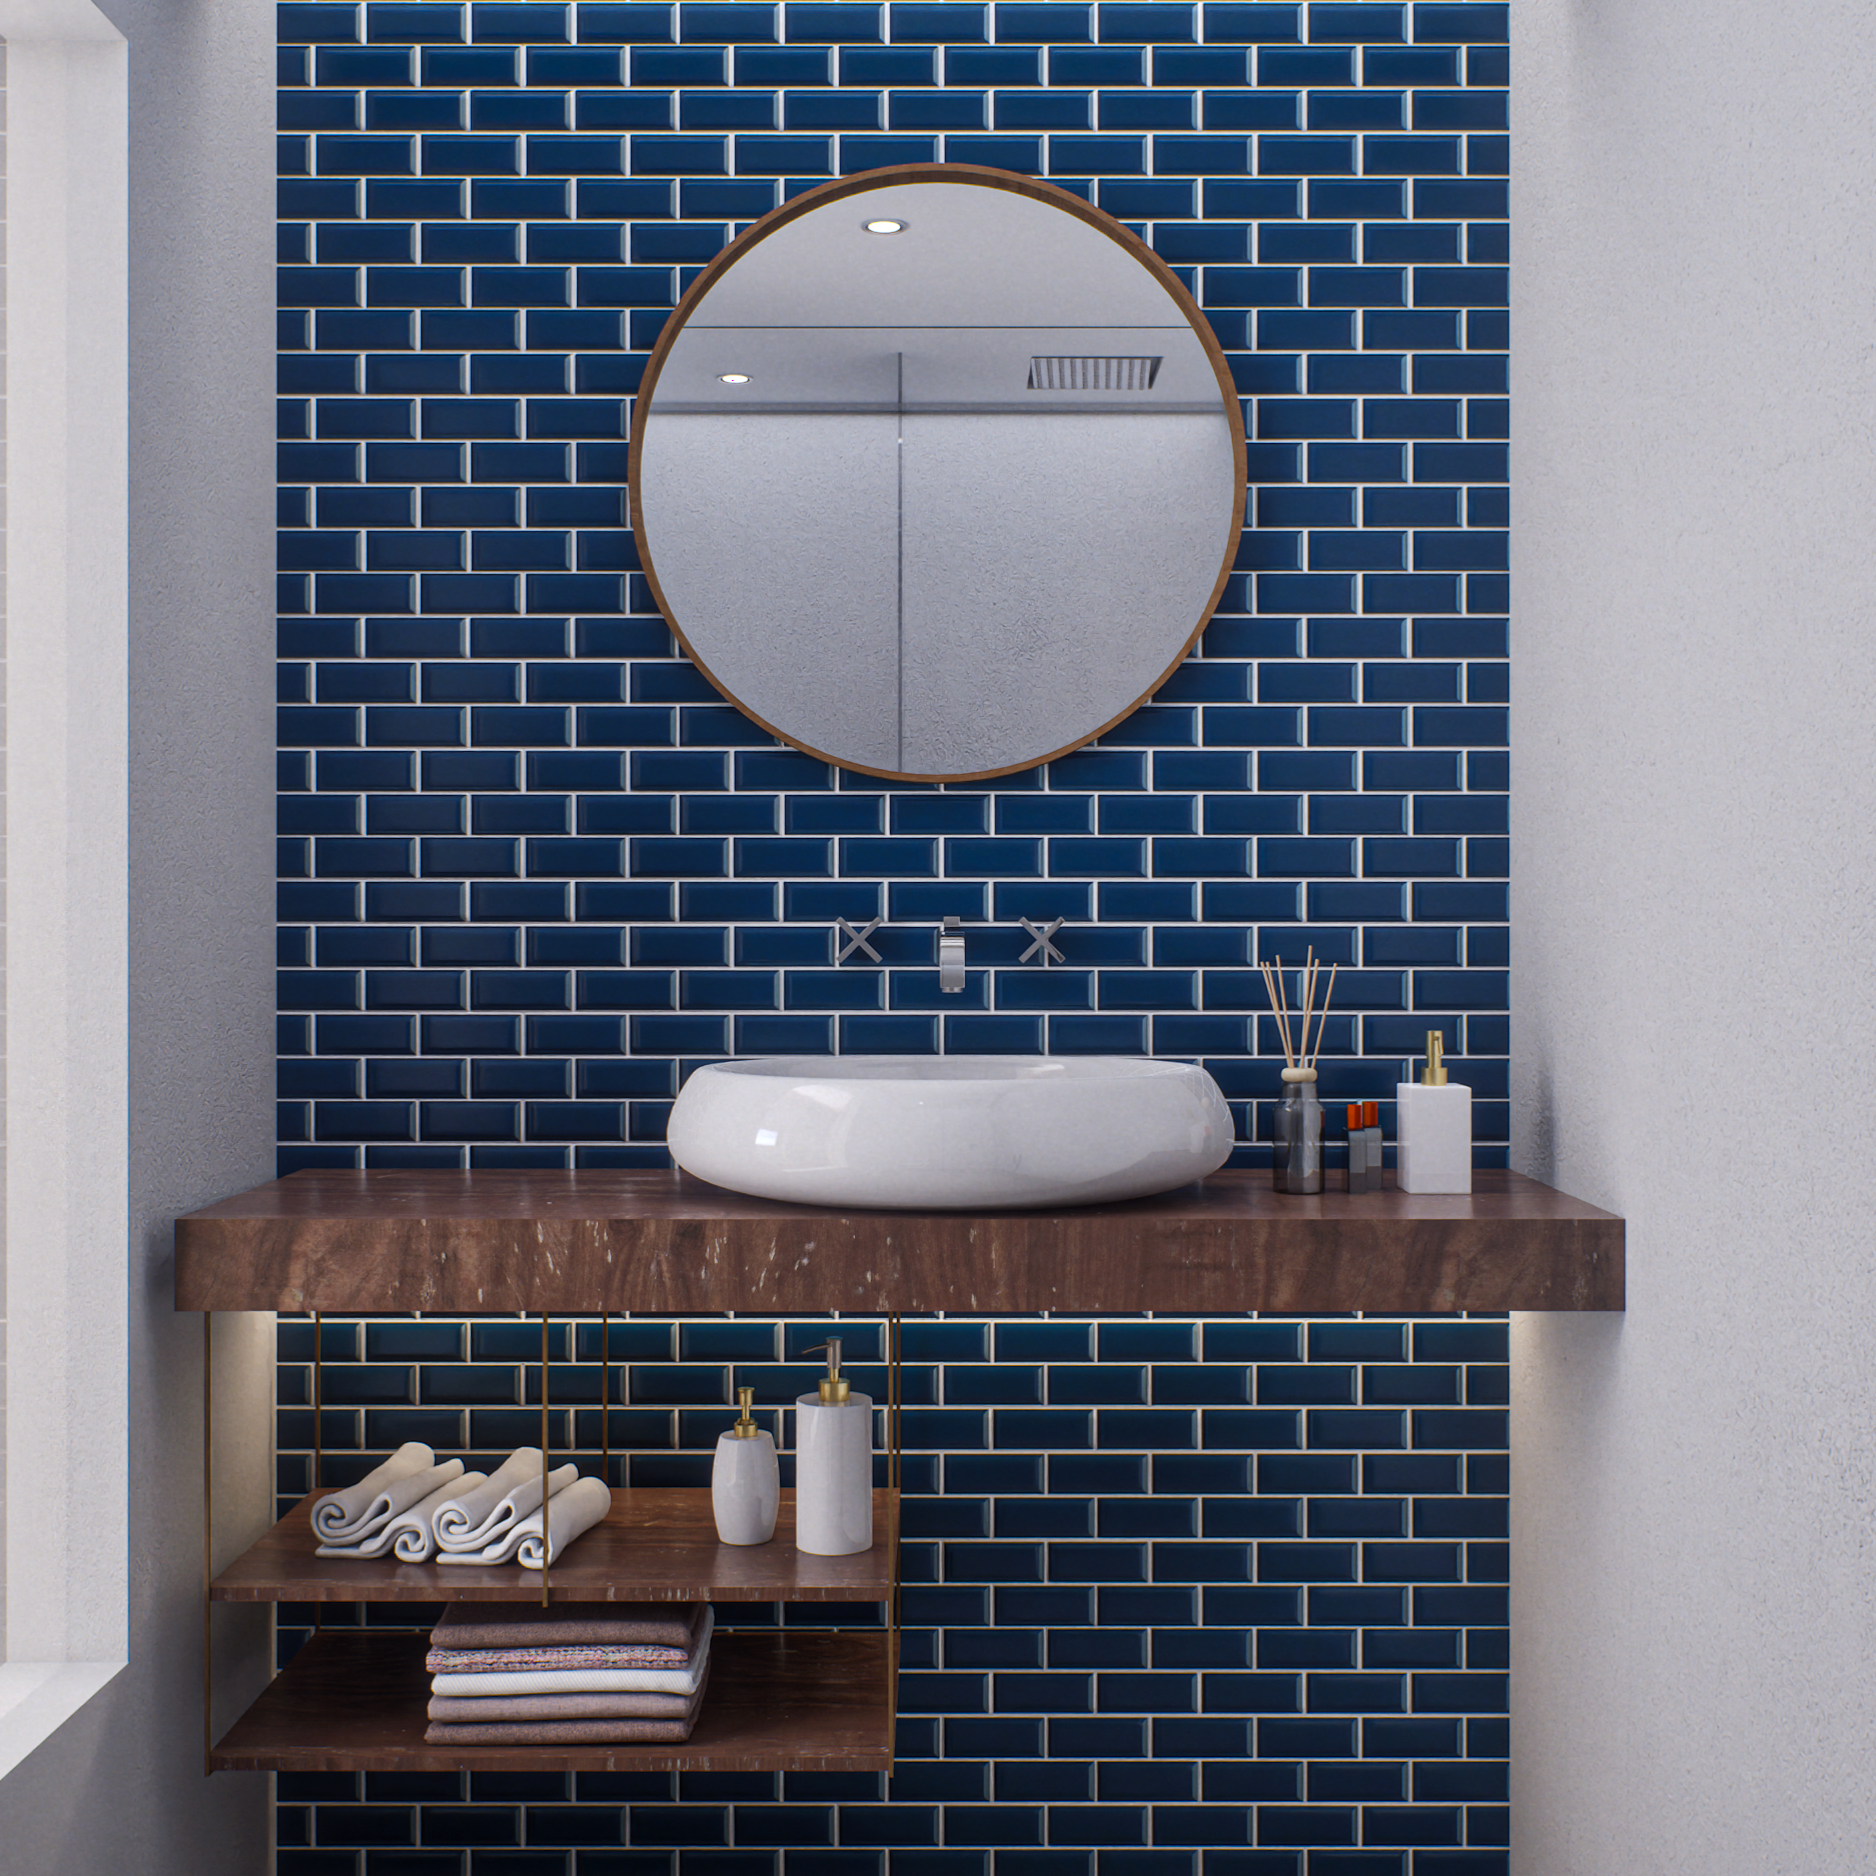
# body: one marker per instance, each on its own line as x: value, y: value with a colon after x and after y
x: 1433, y: 1129
x: 745, y: 1481
x: 833, y: 1466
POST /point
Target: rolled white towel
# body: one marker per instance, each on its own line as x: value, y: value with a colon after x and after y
x: 412, y: 1535
x: 505, y: 1530
x: 401, y: 1500
x: 472, y: 1519
x: 569, y: 1514
x: 341, y: 1516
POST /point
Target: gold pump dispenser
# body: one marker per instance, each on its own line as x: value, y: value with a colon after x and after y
x: 835, y: 1387
x: 745, y: 1427
x: 1435, y: 1073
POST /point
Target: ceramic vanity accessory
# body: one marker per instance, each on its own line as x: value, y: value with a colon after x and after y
x: 943, y: 1133
x: 1371, y: 1126
x: 1433, y: 1129
x: 1296, y: 1126
x: 833, y: 1466
x: 745, y: 1482
x: 1358, y: 1171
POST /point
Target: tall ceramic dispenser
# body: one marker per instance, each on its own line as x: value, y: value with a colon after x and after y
x: 833, y: 1466
x: 745, y: 1481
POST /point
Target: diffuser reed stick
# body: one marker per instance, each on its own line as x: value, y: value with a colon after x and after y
x: 1299, y: 1055
x: 1322, y: 1015
x: 1272, y: 989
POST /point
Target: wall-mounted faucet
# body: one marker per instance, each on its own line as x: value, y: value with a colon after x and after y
x: 951, y: 955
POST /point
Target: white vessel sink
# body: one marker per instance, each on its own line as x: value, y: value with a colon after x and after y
x: 950, y: 1133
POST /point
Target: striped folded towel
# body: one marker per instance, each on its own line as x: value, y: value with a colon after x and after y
x: 570, y: 1624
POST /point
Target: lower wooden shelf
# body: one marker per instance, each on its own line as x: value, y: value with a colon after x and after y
x: 355, y: 1700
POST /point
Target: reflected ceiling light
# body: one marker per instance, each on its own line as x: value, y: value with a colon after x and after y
x: 885, y: 225
x: 732, y: 377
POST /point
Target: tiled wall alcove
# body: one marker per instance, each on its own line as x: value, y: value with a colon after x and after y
x: 1181, y: 1597
x: 532, y: 868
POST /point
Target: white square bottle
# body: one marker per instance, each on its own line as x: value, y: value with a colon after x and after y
x: 1433, y: 1129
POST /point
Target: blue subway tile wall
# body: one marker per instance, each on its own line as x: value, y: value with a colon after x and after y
x: 1181, y: 1598
x: 533, y: 870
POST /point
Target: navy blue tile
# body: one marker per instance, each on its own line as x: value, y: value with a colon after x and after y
x: 1097, y: 812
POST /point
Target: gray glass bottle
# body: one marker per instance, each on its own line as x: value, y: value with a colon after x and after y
x: 1296, y: 1135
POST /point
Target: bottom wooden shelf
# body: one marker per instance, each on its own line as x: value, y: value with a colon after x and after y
x: 354, y: 1701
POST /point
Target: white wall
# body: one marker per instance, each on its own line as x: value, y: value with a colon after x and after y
x: 1694, y: 1025
x: 120, y: 1785
x: 3, y: 1479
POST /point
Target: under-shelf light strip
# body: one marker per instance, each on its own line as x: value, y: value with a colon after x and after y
x: 544, y: 1462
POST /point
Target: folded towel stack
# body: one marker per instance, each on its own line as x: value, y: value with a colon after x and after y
x: 418, y: 1509
x: 577, y: 1674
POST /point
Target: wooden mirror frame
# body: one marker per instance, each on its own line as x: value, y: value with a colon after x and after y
x: 865, y: 181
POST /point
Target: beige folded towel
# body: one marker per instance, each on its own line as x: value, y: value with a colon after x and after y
x: 502, y: 1707
x: 541, y: 1728
x: 562, y: 1733
x: 567, y: 1515
x: 477, y: 1519
x: 407, y: 1498
x: 343, y: 1516
x: 574, y: 1624
x: 413, y: 1532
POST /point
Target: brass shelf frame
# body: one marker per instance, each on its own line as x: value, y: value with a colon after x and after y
x: 893, y: 1452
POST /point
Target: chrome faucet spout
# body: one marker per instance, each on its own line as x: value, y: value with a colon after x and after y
x: 951, y: 955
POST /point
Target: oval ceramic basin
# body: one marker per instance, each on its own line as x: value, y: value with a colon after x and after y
x: 950, y: 1133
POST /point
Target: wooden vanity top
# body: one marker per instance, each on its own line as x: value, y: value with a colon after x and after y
x: 576, y: 1243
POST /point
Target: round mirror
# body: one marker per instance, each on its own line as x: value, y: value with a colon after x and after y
x: 937, y: 472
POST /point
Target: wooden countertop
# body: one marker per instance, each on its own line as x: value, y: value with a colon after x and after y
x: 662, y: 1243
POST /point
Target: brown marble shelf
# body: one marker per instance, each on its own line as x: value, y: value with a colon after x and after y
x: 659, y: 1242
x: 654, y: 1545
x: 354, y: 1701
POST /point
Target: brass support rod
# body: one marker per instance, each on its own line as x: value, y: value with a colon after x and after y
x: 605, y: 1396
x: 208, y: 1541
x: 895, y: 1394
x: 544, y: 1558
x: 319, y: 1356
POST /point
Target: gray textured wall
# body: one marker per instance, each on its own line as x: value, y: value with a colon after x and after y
x: 1693, y: 1485
x: 120, y: 1786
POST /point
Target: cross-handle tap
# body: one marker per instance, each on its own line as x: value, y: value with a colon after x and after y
x: 1044, y: 936
x: 951, y: 955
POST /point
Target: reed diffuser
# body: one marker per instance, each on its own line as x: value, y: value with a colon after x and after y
x: 1296, y: 1127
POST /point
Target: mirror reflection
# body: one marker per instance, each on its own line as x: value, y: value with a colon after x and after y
x: 937, y: 473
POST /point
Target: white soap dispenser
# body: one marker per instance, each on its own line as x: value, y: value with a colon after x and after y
x: 1433, y: 1129
x: 833, y: 1466
x: 745, y: 1482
